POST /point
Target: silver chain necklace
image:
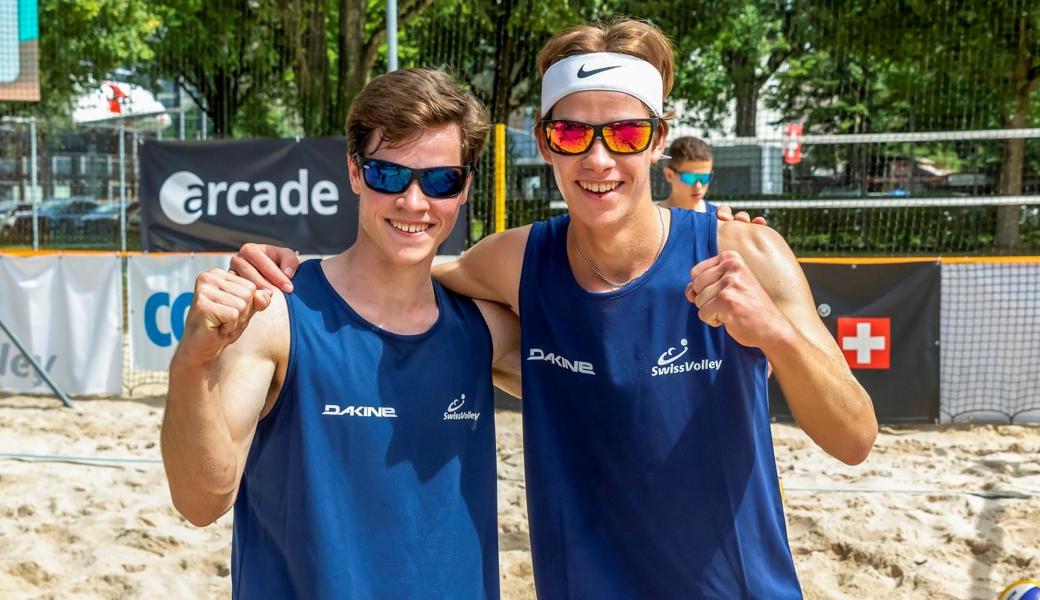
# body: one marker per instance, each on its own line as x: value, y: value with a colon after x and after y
x: 621, y: 284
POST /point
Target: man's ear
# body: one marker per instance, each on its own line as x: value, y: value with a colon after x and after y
x: 354, y: 175
x: 669, y: 175
x: 543, y: 147
x: 464, y: 197
x: 660, y: 142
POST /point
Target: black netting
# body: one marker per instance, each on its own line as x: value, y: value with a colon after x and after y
x: 990, y: 331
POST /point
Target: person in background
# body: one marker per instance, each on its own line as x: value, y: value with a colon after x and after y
x: 689, y: 170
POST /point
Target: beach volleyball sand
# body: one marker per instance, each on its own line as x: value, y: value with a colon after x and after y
x: 935, y: 512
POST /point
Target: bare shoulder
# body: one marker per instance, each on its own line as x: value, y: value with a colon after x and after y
x: 749, y: 239
x: 765, y: 251
x: 267, y: 335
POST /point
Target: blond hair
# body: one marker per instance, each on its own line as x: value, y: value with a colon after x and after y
x: 399, y: 105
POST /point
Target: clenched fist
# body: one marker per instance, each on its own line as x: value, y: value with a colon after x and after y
x: 727, y: 292
x: 220, y: 311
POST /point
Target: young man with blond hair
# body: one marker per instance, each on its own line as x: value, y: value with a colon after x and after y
x: 647, y: 335
x: 350, y: 424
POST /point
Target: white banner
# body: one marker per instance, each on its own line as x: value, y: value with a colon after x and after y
x: 67, y: 311
x: 161, y: 289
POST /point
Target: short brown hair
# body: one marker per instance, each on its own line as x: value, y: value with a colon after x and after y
x: 401, y: 104
x: 624, y: 36
x: 689, y: 148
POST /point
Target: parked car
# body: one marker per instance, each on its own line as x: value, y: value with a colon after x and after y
x: 13, y: 224
x: 104, y: 220
x: 56, y: 217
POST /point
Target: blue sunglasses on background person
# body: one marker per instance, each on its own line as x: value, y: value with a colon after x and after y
x: 386, y: 177
x: 692, y: 178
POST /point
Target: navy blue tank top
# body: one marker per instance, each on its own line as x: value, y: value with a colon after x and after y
x: 649, y: 458
x: 373, y: 476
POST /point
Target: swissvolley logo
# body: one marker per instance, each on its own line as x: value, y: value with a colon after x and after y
x: 455, y: 412
x: 668, y: 362
x: 185, y: 198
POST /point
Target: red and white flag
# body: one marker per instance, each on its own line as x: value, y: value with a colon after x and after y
x: 866, y: 342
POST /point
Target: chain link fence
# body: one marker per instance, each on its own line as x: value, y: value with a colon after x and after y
x: 263, y: 68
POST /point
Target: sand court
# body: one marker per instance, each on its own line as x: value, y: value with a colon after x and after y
x: 937, y: 512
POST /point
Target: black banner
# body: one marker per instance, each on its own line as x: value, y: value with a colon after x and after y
x: 885, y: 318
x: 216, y: 195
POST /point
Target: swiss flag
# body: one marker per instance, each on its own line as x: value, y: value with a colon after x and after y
x: 866, y: 343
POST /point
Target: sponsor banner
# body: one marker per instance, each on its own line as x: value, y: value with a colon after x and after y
x: 161, y: 290
x: 217, y: 195
x: 68, y: 313
x: 885, y: 318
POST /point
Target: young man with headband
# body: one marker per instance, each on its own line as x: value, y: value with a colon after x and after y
x: 351, y: 423
x: 689, y: 171
x: 646, y: 333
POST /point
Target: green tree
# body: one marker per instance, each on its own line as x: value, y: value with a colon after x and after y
x: 81, y: 43
x: 491, y: 45
x: 223, y: 55
x: 333, y: 46
x: 726, y: 53
x: 973, y: 65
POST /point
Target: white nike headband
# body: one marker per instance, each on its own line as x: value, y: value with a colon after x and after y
x: 603, y: 71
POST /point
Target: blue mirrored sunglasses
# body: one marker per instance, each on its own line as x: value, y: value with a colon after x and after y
x: 692, y: 178
x: 391, y: 178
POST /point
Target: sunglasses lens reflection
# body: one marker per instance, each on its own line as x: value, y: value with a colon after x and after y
x: 693, y: 178
x: 387, y: 177
x: 569, y: 137
x: 443, y: 182
x: 628, y: 137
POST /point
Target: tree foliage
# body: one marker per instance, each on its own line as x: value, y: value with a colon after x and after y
x: 228, y: 70
x: 269, y: 66
x: 81, y: 42
x: 491, y: 45
x: 972, y: 64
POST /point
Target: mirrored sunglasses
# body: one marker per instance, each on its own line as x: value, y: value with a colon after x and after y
x: 391, y: 178
x: 622, y: 137
x: 692, y: 178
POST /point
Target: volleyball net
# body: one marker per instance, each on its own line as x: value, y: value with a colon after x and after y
x: 957, y: 192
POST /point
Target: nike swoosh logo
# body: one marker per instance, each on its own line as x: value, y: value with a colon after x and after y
x: 582, y: 73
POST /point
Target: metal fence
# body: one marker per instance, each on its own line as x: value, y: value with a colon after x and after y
x: 263, y: 68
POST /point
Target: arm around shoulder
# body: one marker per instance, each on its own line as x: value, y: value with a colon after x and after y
x: 504, y: 327
x: 490, y: 270
x: 825, y: 398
